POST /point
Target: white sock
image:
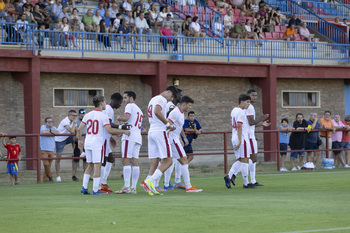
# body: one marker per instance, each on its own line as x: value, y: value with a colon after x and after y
x: 235, y: 169
x: 127, y: 175
x: 86, y: 180
x: 108, y: 168
x: 102, y: 174
x: 135, y: 176
x: 244, y: 170
x: 156, y: 175
x: 156, y: 184
x: 96, y: 184
x: 186, y: 175
x: 177, y: 172
x: 167, y: 175
x: 252, y: 167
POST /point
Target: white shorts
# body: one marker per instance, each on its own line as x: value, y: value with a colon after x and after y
x: 95, y: 155
x: 107, y: 148
x: 243, y: 151
x: 158, y: 145
x: 130, y: 149
x: 177, y: 150
x: 253, y: 146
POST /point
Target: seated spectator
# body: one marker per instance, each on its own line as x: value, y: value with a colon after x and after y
x: 56, y: 10
x: 113, y: 11
x: 153, y: 14
x: 241, y: 17
x: 142, y: 26
x: 68, y: 36
x: 255, y: 6
x: 228, y: 20
x: 48, y: 4
x: 28, y: 14
x: 220, y: 30
x: 127, y: 7
x: 261, y: 4
x: 166, y: 38
x: 222, y: 3
x: 131, y: 21
x: 96, y: 19
x: 10, y: 9
x: 39, y: 18
x: 18, y: 11
x: 125, y: 30
x: 279, y: 17
x: 107, y: 20
x: 263, y: 11
x: 47, y: 22
x: 239, y: 31
x: 116, y: 23
x: 55, y: 37
x: 345, y: 22
x: 63, y: 13
x: 236, y: 3
x: 147, y: 6
x: 247, y: 9
x: 136, y: 13
x: 295, y: 20
x: 88, y: 21
x: 289, y: 34
x: 268, y: 24
x: 102, y: 28
x: 257, y: 26
x: 77, y: 26
x: 186, y: 31
x: 21, y: 28
x: 101, y: 10
x: 250, y: 33
x: 336, y: 20
x: 196, y: 28
x: 73, y: 16
x: 173, y: 25
x: 139, y: 3
x: 42, y: 8
x: 305, y: 33
x: 191, y: 2
x: 162, y: 14
x: 168, y: 11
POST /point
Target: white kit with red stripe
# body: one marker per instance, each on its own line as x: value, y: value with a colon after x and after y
x: 135, y: 120
x: 155, y: 123
x: 178, y: 119
x: 238, y: 115
x: 250, y: 112
x: 109, y: 112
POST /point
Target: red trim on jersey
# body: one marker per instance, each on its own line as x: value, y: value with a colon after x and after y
x: 180, y: 109
x: 171, y: 120
x: 240, y: 122
x: 83, y: 122
x: 178, y: 149
x: 127, y: 113
x: 167, y: 145
x: 245, y: 149
x: 97, y: 110
x: 249, y: 115
x: 104, y: 148
x: 126, y: 148
x: 252, y: 146
x: 159, y: 106
x: 106, y: 124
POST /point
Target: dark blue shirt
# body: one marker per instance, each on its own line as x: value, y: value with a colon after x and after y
x: 189, y: 125
x: 137, y: 4
x: 124, y: 30
x: 296, y: 22
x: 107, y: 20
x: 313, y: 136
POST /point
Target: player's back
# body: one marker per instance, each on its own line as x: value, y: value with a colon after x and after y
x: 177, y: 118
x: 155, y: 123
x: 95, y: 132
x: 135, y: 120
x: 238, y: 116
x: 250, y: 112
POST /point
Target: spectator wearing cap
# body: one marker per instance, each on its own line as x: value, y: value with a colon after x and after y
x: 77, y: 152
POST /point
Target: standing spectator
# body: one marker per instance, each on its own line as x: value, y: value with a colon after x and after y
x: 41, y: 37
x: 113, y: 11
x: 255, y: 6
x: 13, y: 152
x: 166, y: 38
x: 297, y: 141
x: 345, y: 141
x: 326, y: 123
x: 77, y: 152
x: 336, y: 140
x: 295, y: 21
x: 247, y: 8
x: 153, y: 14
x: 66, y: 126
x: 47, y: 147
x: 186, y: 26
x: 194, y: 129
x: 88, y: 21
x: 284, y: 141
x: 196, y: 28
x: 101, y: 9
x: 142, y: 26
x: 127, y: 7
x: 312, y: 140
x: 96, y: 19
x: 56, y: 10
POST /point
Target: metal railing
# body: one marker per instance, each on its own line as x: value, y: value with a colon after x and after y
x: 314, y: 21
x: 17, y: 33
x: 327, y: 9
x: 208, y: 17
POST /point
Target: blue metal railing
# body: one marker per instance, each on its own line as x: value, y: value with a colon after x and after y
x: 208, y: 17
x: 329, y: 10
x: 17, y: 33
x: 314, y: 21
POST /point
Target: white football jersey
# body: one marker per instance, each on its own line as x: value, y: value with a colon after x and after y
x: 135, y: 120
x: 155, y: 123
x: 110, y: 114
x: 178, y: 119
x: 250, y: 111
x: 168, y: 106
x: 95, y: 129
x: 238, y: 116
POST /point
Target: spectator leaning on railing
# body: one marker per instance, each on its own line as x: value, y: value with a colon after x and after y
x: 297, y: 141
x: 326, y: 123
x: 336, y: 140
x: 345, y: 141
x: 312, y: 139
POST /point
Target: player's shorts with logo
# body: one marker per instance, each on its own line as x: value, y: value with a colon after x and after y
x: 130, y: 149
x: 158, y: 145
x: 244, y: 149
x: 177, y: 150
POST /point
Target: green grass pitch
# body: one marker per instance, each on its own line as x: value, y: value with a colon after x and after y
x: 315, y: 201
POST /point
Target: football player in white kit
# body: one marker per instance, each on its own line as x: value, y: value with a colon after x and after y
x: 97, y: 123
x: 250, y: 112
x: 158, y: 143
x: 240, y: 142
x: 177, y: 119
x: 131, y: 144
x: 115, y: 103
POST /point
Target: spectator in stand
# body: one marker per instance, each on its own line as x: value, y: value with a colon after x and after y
x: 56, y: 10
x: 101, y: 10
x: 49, y: 6
x: 297, y: 141
x: 220, y: 29
x: 228, y: 20
x: 125, y: 30
x: 96, y: 19
x: 42, y: 7
x: 186, y: 26
x: 76, y: 26
x: 247, y: 9
x: 269, y: 24
x: 66, y: 126
x: 131, y: 21
x: 136, y: 13
x: 153, y: 14
x: 168, y: 11
x: 107, y: 20
x: 263, y: 11
x: 47, y: 147
x: 55, y: 37
x: 68, y: 36
x: 345, y: 141
x: 10, y: 9
x: 162, y: 15
x: 139, y: 3
x: 222, y: 3
x: 73, y: 16
x: 142, y: 26
x: 191, y: 2
x: 289, y: 34
x: 18, y: 10
x: 39, y: 18
x: 279, y: 17
x: 102, y: 28
x: 312, y: 139
x: 88, y: 21
x: 28, y: 14
x: 241, y: 17
x: 261, y: 4
x: 250, y: 33
x: 113, y: 11
x: 239, y: 31
x: 127, y: 7
x: 255, y: 6
x: 326, y: 123
x: 13, y: 152
x: 336, y: 20
x: 236, y: 3
x: 305, y: 34
x: 116, y: 23
x: 196, y: 28
x: 20, y: 27
x: 284, y: 141
x: 147, y: 6
x: 336, y: 140
x: 166, y: 38
x: 173, y: 25
x: 344, y: 23
x: 258, y: 26
x: 63, y: 13
x: 295, y: 21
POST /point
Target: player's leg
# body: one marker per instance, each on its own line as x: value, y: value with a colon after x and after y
x: 87, y: 172
x: 178, y: 172
x: 59, y: 150
x: 167, y: 177
x: 178, y: 153
x: 127, y: 147
x: 236, y: 166
x: 97, y: 157
x: 135, y: 173
x: 252, y: 162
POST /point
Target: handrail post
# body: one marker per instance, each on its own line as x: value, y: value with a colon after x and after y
x: 225, y: 153
x: 327, y: 147
x: 38, y: 160
x: 82, y: 45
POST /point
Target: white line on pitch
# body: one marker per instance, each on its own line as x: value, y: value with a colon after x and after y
x: 320, y: 230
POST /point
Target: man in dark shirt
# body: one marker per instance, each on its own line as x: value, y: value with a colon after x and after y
x: 295, y: 20
x: 297, y: 141
x: 193, y: 127
x: 312, y: 138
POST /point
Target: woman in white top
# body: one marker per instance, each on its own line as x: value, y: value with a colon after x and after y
x: 66, y: 28
x: 168, y: 11
x: 249, y: 31
x: 153, y: 14
x: 196, y: 28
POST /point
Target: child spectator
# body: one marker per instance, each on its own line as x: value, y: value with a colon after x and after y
x: 284, y: 141
x: 41, y: 38
x: 13, y: 152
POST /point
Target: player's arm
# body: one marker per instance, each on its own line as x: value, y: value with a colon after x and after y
x: 257, y: 121
x: 239, y: 132
x: 184, y: 137
x: 124, y: 118
x: 115, y: 126
x: 314, y: 123
x: 116, y: 131
x: 263, y: 123
x: 79, y: 136
x: 71, y: 129
x: 159, y: 115
x: 19, y: 155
